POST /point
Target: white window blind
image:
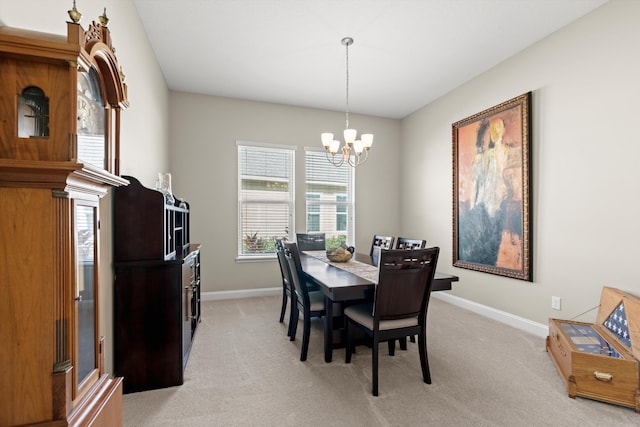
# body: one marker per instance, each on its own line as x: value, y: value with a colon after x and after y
x: 330, y: 198
x: 265, y: 197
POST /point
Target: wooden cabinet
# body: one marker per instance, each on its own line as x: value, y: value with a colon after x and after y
x: 60, y: 102
x: 157, y: 288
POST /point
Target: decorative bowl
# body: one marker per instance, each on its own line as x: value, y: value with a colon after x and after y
x: 335, y: 255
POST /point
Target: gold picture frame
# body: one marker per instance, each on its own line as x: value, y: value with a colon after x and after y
x: 491, y: 190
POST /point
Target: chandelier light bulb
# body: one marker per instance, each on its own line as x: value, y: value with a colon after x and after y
x: 333, y: 148
x: 367, y: 140
x: 357, y: 146
x: 327, y: 139
x: 350, y: 136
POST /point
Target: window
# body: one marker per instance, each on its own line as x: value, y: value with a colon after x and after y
x: 265, y: 197
x: 330, y: 198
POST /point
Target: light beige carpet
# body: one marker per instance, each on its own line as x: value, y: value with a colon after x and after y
x: 244, y: 371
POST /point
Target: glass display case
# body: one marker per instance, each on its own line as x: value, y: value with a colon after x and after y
x: 599, y: 360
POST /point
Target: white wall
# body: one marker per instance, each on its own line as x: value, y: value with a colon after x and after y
x: 144, y: 128
x: 204, y: 130
x: 585, y: 152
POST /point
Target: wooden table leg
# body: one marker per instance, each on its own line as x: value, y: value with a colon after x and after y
x: 328, y: 330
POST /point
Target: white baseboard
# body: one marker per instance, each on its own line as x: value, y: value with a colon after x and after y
x: 243, y: 293
x: 501, y: 316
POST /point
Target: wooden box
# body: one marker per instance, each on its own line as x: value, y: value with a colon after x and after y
x: 599, y: 360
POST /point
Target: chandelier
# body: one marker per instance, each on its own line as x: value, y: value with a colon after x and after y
x: 354, y: 151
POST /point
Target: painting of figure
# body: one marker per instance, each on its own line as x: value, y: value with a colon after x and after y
x: 491, y: 190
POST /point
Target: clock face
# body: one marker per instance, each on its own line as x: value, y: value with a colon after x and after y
x: 91, y: 120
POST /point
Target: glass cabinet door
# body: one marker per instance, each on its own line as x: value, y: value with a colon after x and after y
x: 85, y: 236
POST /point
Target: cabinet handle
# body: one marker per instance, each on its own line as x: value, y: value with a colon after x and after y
x: 603, y: 376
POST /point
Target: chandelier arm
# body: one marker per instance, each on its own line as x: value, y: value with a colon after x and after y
x: 332, y: 159
x: 366, y: 156
x: 356, y: 159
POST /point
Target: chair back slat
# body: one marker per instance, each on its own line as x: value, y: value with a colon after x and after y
x: 383, y: 242
x: 404, y: 282
x: 405, y: 243
x: 311, y: 241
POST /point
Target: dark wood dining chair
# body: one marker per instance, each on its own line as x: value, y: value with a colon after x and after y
x: 311, y: 241
x: 383, y: 242
x: 311, y: 303
x: 287, y: 293
x: 400, y: 305
x: 404, y: 243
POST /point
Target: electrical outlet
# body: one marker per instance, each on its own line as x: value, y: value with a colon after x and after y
x: 555, y: 303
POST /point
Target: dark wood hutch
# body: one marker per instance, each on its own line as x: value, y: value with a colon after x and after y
x: 157, y: 287
x: 60, y: 103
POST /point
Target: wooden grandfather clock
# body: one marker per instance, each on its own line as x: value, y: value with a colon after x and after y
x: 60, y: 103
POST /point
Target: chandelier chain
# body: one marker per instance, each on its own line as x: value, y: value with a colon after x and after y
x: 347, y: 94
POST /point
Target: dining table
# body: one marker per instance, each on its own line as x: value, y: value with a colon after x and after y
x: 346, y: 283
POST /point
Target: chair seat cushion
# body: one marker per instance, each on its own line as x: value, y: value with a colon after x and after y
x: 316, y: 300
x: 362, y: 314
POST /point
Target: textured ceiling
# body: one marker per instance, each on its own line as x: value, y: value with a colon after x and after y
x: 406, y: 53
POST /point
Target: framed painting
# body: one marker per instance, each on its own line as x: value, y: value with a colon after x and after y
x: 491, y: 194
